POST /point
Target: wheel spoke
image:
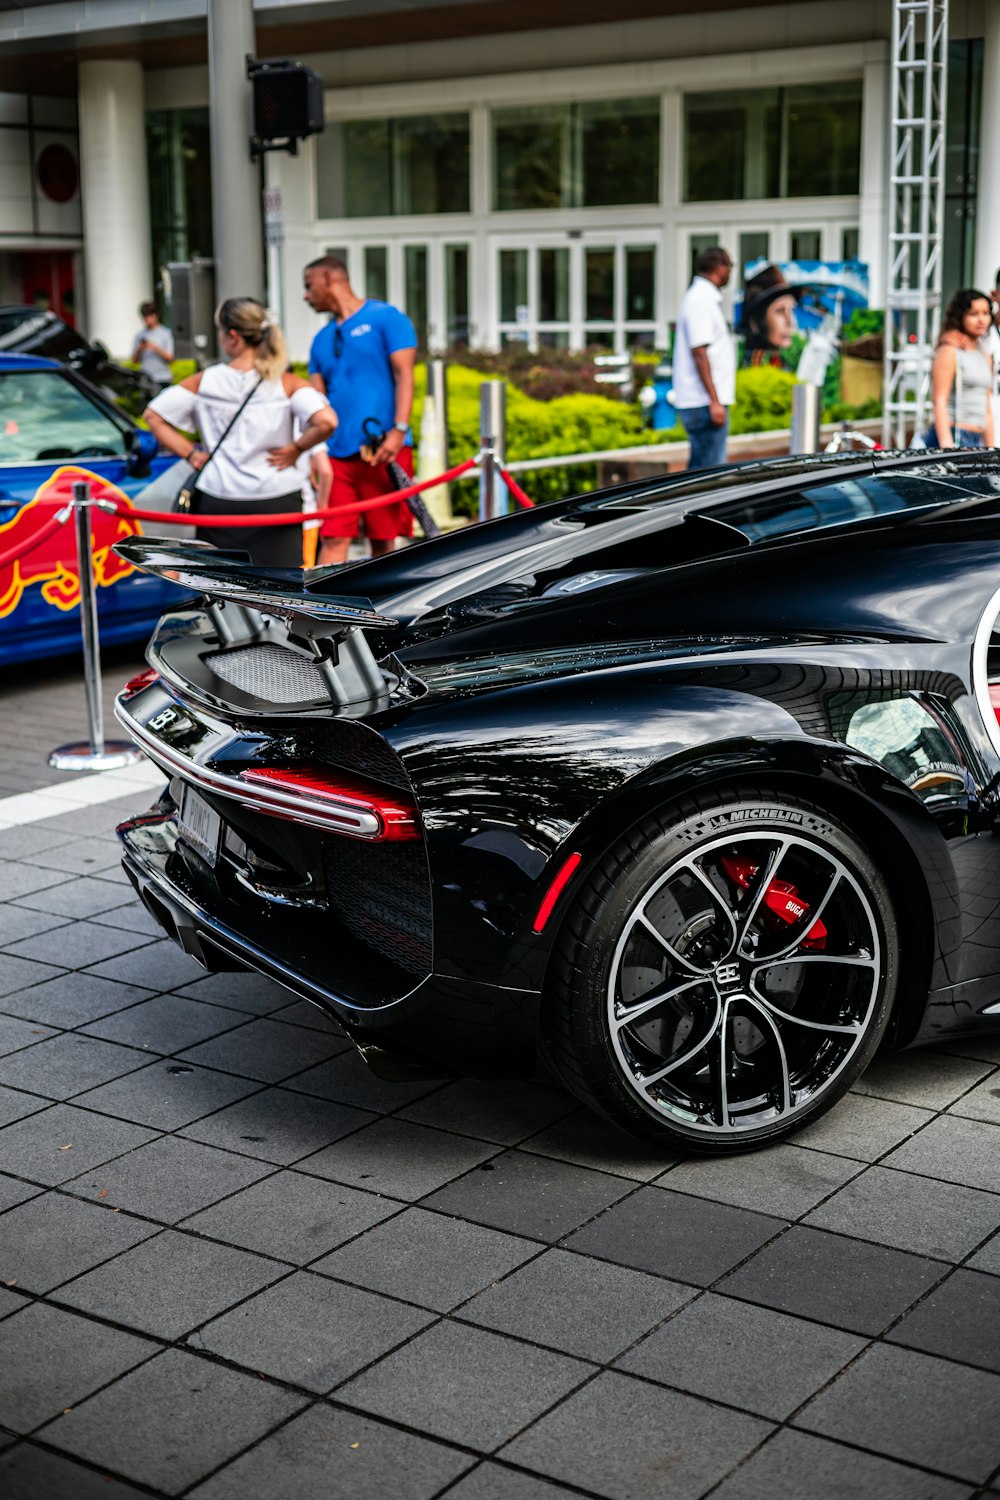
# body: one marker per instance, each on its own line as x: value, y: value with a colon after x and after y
x: 854, y: 1029
x: 669, y: 949
x: 814, y: 916
x: 786, y: 1087
x: 717, y: 900
x: 765, y: 874
x: 647, y: 1080
x: 723, y: 1072
x: 626, y: 1015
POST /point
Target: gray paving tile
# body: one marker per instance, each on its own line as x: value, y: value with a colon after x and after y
x: 17, y: 880
x: 28, y: 1472
x: 18, y: 974
x: 50, y: 1359
x: 158, y: 966
x: 53, y: 1146
x: 242, y: 989
x: 491, y: 1481
x: 278, y: 1126
x: 427, y: 1258
x: 169, y: 1179
x: 214, y: 1414
x: 67, y: 1064
x: 305, y: 1013
x: 339, y: 1456
x: 98, y: 821
x: 673, y: 1235
x: 530, y: 1195
x: 167, y: 1095
x: 265, y: 1050
x: 166, y: 1024
x: 580, y: 1306
x: 398, y: 1159
x: 132, y: 918
x: 85, y: 856
x: 955, y: 1150
x: 984, y: 1048
x: 863, y: 1128
x: 666, y: 1446
x: 15, y: 1034
x: 74, y: 898
x: 586, y: 1140
x: 17, y: 842
x: 782, y: 1180
x: 848, y: 1283
x: 958, y: 1320
x: 704, y: 1349
x: 930, y: 1080
x: 292, y: 1217
x: 465, y: 1385
x: 834, y: 1473
x: 310, y: 1331
x: 914, y: 1407
x: 77, y: 945
x: 988, y: 1258
x: 50, y: 1239
x: 348, y: 1080
x: 73, y: 1000
x: 982, y: 1103
x: 13, y: 1192
x: 170, y: 1284
x: 911, y: 1213
x: 16, y: 922
x: 11, y: 1301
x: 15, y: 1104
x: 502, y: 1110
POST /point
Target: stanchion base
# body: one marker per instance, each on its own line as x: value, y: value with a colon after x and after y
x: 115, y: 755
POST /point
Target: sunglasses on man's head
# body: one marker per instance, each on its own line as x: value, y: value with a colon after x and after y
x: 338, y: 342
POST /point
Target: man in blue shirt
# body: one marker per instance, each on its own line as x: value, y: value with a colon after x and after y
x: 362, y: 361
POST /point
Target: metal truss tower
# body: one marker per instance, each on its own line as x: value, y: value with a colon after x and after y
x: 919, y: 64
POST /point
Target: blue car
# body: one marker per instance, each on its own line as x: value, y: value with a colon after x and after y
x: 56, y: 428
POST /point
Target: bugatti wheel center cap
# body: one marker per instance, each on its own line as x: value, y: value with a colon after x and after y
x: 728, y: 978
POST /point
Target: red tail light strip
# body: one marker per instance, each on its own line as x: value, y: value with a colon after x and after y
x: 397, y: 821
x: 554, y: 891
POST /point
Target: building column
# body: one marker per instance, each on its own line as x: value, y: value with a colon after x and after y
x: 236, y: 194
x: 988, y: 203
x: 873, y: 237
x: 115, y: 195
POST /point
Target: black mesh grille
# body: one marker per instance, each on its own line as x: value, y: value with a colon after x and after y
x: 269, y: 672
x: 382, y: 894
x: 354, y: 747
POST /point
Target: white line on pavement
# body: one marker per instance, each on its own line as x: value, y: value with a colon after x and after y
x: 82, y: 791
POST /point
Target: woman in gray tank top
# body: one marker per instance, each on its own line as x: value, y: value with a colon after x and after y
x: 962, y: 376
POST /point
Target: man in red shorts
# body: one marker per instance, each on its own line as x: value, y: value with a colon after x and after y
x: 362, y: 361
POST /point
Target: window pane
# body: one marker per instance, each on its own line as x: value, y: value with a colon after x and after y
x: 619, y: 146
x: 513, y: 284
x: 756, y: 245
x: 354, y: 170
x: 377, y: 272
x: 552, y: 339
x: 805, y: 244
x: 698, y: 243
x: 599, y: 338
x: 850, y: 240
x: 531, y: 157
x: 553, y: 286
x: 640, y: 282
x: 47, y: 417
x: 823, y: 138
x: 714, y: 140
x: 456, y: 277
x: 600, y: 284
x: 643, y: 338
x: 371, y: 168
x: 415, y: 264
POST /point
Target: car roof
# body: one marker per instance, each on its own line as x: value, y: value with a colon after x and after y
x: 9, y: 362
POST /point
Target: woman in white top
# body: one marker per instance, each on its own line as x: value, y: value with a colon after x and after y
x: 245, y: 474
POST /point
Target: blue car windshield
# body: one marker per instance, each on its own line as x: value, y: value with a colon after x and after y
x: 43, y: 415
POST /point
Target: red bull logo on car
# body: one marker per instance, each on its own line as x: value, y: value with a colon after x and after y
x: 53, y: 565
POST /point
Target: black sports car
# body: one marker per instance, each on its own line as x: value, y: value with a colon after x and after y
x: 690, y: 785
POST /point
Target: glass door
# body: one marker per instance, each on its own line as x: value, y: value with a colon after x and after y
x: 599, y: 292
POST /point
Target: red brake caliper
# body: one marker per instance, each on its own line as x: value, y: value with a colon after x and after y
x: 781, y: 899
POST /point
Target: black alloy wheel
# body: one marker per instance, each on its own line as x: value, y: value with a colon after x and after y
x: 726, y: 973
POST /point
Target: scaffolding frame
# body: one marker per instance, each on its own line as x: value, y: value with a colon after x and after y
x: 918, y: 101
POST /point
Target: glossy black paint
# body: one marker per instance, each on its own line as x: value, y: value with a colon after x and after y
x: 540, y: 708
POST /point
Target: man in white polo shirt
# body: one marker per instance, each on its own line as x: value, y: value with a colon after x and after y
x: 705, y: 361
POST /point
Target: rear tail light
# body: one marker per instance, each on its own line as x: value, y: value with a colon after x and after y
x: 343, y: 804
x: 565, y: 873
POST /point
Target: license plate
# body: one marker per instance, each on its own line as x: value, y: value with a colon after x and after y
x: 198, y: 824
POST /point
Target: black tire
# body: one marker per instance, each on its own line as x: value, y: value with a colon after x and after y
x: 768, y: 929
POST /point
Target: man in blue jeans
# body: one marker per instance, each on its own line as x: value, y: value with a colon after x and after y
x: 705, y: 361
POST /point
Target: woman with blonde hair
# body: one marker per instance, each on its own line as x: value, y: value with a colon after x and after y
x: 245, y: 413
x: 962, y: 376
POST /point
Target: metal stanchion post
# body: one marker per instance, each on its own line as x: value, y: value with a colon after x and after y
x: 97, y: 755
x: 805, y: 418
x: 494, y: 499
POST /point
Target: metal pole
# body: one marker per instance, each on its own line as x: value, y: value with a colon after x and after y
x: 437, y: 384
x: 805, y: 418
x: 494, y: 499
x: 95, y: 755
x: 239, y: 261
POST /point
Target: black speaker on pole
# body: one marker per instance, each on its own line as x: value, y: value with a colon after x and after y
x: 287, y: 104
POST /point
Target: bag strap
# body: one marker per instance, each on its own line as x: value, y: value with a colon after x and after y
x: 231, y: 424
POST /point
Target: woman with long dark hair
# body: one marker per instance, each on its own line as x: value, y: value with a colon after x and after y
x: 962, y: 376
x: 245, y: 413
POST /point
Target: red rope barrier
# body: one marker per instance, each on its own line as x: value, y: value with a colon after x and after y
x: 13, y: 554
x: 522, y: 499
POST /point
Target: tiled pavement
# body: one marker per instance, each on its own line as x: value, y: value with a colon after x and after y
x: 235, y: 1266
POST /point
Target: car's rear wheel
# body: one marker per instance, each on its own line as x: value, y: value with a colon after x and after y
x: 727, y: 971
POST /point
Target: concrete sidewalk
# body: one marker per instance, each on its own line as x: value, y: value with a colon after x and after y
x: 234, y: 1265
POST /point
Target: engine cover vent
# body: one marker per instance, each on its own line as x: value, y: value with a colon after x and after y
x: 270, y: 672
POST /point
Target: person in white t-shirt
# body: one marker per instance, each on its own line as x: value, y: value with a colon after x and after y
x: 705, y: 361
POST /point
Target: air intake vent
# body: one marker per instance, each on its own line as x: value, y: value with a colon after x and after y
x: 271, y: 673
